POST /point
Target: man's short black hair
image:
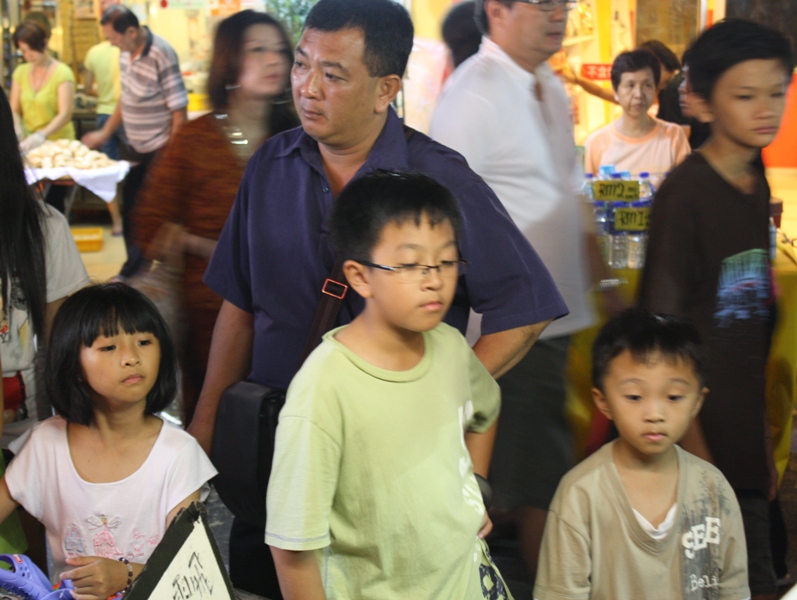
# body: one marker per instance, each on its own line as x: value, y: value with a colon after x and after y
x: 730, y: 42
x: 386, y: 25
x: 370, y: 203
x: 120, y: 17
x: 646, y: 335
x: 97, y: 310
x: 665, y: 56
x: 633, y: 61
x: 460, y: 32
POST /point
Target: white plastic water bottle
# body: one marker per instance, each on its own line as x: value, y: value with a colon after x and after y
x: 638, y: 240
x: 646, y: 189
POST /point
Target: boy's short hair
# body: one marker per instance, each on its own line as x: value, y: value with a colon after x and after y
x: 369, y: 203
x: 645, y: 334
x: 100, y: 310
x: 665, y: 56
x: 730, y: 42
x: 633, y: 61
x: 386, y: 26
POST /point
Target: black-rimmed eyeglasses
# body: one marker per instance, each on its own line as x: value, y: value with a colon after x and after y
x: 415, y: 273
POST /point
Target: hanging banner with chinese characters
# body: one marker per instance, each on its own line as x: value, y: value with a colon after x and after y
x: 597, y: 72
x: 224, y: 8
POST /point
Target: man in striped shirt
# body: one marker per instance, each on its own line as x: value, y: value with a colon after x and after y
x: 152, y: 105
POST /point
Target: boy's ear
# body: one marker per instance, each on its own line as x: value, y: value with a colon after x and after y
x: 357, y: 276
x: 701, y: 108
x: 600, y: 402
x: 699, y: 404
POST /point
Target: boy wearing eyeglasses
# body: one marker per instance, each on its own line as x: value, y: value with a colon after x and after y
x: 372, y: 492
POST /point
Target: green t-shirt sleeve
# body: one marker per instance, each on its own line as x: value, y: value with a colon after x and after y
x: 88, y: 62
x: 304, y: 473
x: 485, y: 394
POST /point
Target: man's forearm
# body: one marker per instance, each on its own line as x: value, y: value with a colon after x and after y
x: 298, y: 575
x: 501, y: 351
x: 114, y: 121
x: 229, y: 361
x: 480, y: 448
x: 178, y: 118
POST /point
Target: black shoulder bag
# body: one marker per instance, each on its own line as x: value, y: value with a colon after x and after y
x: 246, y: 423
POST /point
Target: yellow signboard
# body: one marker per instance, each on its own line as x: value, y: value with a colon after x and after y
x: 632, y: 219
x: 616, y: 190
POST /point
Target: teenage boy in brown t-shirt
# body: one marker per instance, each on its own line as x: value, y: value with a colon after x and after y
x: 708, y: 261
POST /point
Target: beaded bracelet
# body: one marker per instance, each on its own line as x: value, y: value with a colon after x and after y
x: 129, y: 574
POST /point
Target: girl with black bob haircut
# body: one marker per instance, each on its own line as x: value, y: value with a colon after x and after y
x: 106, y: 475
x: 103, y: 310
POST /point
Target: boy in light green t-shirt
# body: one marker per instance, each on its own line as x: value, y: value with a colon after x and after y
x: 373, y: 492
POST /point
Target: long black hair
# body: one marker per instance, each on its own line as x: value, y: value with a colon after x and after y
x: 21, y: 231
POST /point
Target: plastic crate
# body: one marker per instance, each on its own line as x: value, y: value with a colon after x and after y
x: 88, y: 239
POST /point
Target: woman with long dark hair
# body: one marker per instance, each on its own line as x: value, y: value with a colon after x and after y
x: 39, y: 267
x: 191, y: 188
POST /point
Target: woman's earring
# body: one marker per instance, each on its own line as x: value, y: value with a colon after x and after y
x: 232, y: 86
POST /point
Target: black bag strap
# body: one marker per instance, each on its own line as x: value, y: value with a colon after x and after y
x: 332, y: 294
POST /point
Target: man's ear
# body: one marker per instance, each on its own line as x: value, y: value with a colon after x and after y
x: 701, y: 108
x: 386, y: 91
x: 357, y: 276
x: 600, y: 402
x: 495, y: 12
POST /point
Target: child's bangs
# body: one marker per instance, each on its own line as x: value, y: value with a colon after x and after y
x: 123, y: 313
x: 655, y: 354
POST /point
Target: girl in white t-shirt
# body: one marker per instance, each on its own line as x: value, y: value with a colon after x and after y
x: 106, y: 476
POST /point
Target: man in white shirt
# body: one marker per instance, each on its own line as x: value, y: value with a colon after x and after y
x: 506, y: 111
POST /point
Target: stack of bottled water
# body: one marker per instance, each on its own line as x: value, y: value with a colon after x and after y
x: 623, y: 245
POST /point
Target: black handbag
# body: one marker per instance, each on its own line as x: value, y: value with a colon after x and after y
x: 246, y: 423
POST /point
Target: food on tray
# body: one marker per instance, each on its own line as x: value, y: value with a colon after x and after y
x: 67, y: 153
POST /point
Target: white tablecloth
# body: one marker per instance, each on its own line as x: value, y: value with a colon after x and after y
x: 99, y: 181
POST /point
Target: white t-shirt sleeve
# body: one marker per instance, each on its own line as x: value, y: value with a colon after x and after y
x: 64, y: 269
x: 190, y: 471
x: 26, y: 473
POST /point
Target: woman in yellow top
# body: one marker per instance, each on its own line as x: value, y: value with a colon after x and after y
x: 42, y: 97
x: 42, y: 91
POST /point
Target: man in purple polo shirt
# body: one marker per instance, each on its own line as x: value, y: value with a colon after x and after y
x: 274, y: 254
